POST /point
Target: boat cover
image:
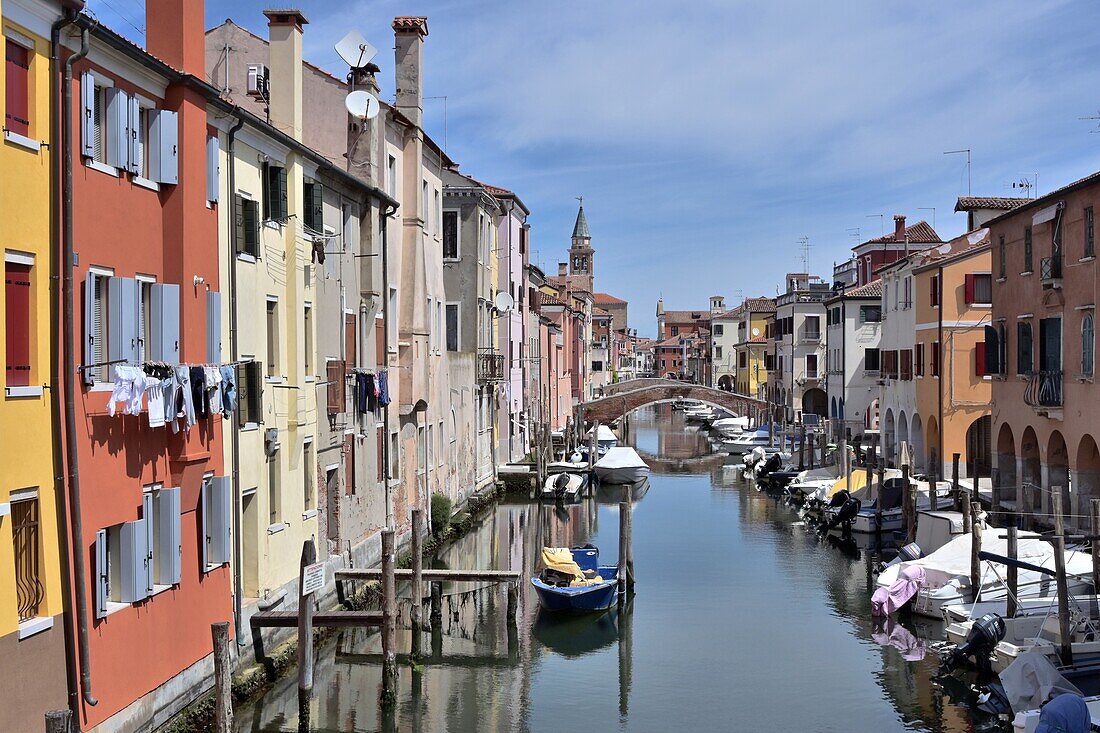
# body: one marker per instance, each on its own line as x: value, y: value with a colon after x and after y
x: 1031, y: 680
x: 605, y: 434
x: 560, y: 560
x: 621, y: 457
x: 1067, y: 713
x: 859, y: 480
x: 890, y: 598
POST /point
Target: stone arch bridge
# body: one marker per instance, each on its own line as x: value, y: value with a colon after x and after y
x: 626, y: 396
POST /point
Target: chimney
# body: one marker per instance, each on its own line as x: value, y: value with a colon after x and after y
x: 176, y: 34
x: 284, y: 32
x: 899, y: 227
x: 563, y: 269
x: 364, y: 138
x: 409, y: 33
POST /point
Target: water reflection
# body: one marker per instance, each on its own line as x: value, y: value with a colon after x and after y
x: 744, y: 619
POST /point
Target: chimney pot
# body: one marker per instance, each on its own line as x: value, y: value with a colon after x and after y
x: 286, y: 16
x: 284, y: 32
x: 899, y: 227
x: 409, y: 33
x: 563, y: 269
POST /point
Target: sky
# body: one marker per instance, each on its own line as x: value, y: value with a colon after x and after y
x: 709, y: 137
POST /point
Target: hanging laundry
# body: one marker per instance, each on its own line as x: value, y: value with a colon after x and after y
x: 383, y: 388
x: 229, y: 391
x: 129, y: 389
x: 372, y: 393
x: 213, y: 378
x: 185, y: 407
x: 156, y: 402
x: 360, y: 392
x: 198, y: 391
x: 169, y: 389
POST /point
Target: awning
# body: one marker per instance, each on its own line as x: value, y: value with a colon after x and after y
x: 1045, y: 214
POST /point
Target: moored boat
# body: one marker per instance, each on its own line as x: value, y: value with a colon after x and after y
x: 573, y: 581
x: 621, y: 465
x: 564, y: 486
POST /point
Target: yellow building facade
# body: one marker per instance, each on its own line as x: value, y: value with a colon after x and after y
x: 32, y: 644
x: 752, y: 374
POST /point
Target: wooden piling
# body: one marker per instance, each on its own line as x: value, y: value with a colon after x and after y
x: 878, y: 494
x: 513, y: 603
x: 910, y: 504
x: 975, y: 547
x: 437, y: 605
x: 593, y: 452
x: 1094, y: 524
x: 845, y: 465
x: 1059, y: 542
x: 933, y: 502
x: 389, y: 622
x: 802, y: 448
x: 59, y: 721
x: 223, y: 678
x: 955, y: 481
x: 1013, y: 573
x: 626, y: 560
x: 306, y: 606
x: 417, y: 610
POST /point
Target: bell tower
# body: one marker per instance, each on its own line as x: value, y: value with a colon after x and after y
x: 581, y: 254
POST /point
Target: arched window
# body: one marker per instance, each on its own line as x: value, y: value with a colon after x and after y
x: 1088, y: 345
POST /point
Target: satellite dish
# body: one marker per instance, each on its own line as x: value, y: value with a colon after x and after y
x: 355, y: 50
x: 756, y: 332
x: 361, y: 104
x: 503, y: 303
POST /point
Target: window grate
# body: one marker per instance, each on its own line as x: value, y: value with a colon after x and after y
x: 29, y: 590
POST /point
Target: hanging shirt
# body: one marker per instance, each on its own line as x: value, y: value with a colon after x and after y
x: 229, y: 391
x: 213, y: 380
x: 186, y: 407
x: 129, y: 387
x: 156, y: 402
x: 198, y: 391
x: 383, y: 388
x: 372, y: 392
x: 169, y: 389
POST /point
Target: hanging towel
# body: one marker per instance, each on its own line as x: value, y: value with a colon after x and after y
x: 137, y: 393
x: 156, y: 402
x: 383, y: 389
x: 213, y: 389
x: 185, y: 408
x: 124, y: 385
x: 371, y: 390
x: 169, y: 389
x: 198, y: 391
x: 229, y: 391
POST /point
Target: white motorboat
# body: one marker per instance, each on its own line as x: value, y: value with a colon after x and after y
x: 745, y: 442
x: 891, y: 500
x: 567, y: 466
x: 605, y: 438
x: 947, y: 572
x: 621, y: 465
x: 564, y: 486
x: 685, y: 404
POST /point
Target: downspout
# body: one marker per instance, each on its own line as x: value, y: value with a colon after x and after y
x: 939, y: 364
x: 386, y: 214
x: 68, y: 368
x: 238, y: 550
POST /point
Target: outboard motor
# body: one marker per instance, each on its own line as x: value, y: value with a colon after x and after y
x: 561, y: 482
x: 769, y: 466
x: 980, y: 642
x: 908, y: 552
x: 839, y: 499
x: 846, y: 514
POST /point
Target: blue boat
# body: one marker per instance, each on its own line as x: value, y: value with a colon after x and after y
x: 582, y: 599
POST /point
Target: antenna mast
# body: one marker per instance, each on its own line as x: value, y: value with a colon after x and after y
x: 967, y: 151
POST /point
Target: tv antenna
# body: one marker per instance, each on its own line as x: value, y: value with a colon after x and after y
x: 355, y: 50
x: 957, y: 152
x: 881, y: 222
x: 805, y: 246
x: 933, y: 210
x: 853, y: 232
x: 1030, y: 185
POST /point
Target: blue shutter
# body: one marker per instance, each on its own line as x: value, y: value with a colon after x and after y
x: 122, y: 319
x: 204, y: 519
x: 212, y: 148
x: 134, y: 135
x: 87, y: 114
x: 134, y: 561
x: 170, y: 550
x: 166, y: 322
x: 214, y: 327
x: 163, y: 137
x: 89, y: 326
x: 118, y: 122
x: 148, y: 520
x: 102, y: 573
x: 218, y: 526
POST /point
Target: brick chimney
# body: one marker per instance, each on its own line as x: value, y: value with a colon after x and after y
x: 899, y: 227
x: 409, y: 33
x: 176, y: 34
x: 284, y: 31
x: 563, y: 269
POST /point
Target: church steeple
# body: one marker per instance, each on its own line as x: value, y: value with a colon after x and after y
x: 581, y: 254
x: 580, y: 229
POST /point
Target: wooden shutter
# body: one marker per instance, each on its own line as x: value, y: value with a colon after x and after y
x: 135, y: 137
x: 244, y: 393
x: 934, y: 290
x: 148, y: 522
x: 218, y: 526
x: 212, y: 182
x: 169, y: 553
x: 969, y: 288
x: 214, y: 327
x: 349, y: 464
x: 102, y: 573
x: 164, y: 142
x: 17, y: 89
x: 315, y: 204
x: 918, y: 366
x: 350, y: 349
x: 979, y: 359
x: 252, y: 228
x: 335, y: 370
x: 122, y: 319
x: 166, y: 323
x: 117, y: 126
x: 87, y: 115
x: 134, y: 559
x: 379, y: 343
x: 253, y: 374
x: 381, y: 439
x: 17, y: 302
x: 935, y: 358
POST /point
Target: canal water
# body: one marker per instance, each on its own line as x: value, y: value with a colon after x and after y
x: 742, y: 620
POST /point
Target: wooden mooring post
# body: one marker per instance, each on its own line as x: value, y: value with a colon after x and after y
x: 1094, y: 526
x: 306, y: 605
x: 933, y: 502
x: 969, y: 510
x: 955, y: 486
x: 626, y: 559
x: 802, y: 448
x: 417, y: 609
x: 1012, y: 571
x: 910, y: 489
x: 389, y: 621
x: 1059, y: 542
x: 223, y: 678
x: 878, y: 494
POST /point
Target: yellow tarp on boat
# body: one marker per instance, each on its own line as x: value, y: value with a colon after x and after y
x: 561, y: 559
x: 859, y: 480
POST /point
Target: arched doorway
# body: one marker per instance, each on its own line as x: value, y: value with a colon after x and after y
x: 832, y: 408
x: 978, y: 436
x: 1087, y: 485
x: 1030, y: 474
x: 871, y: 421
x: 888, y: 438
x: 725, y: 382
x: 932, y: 440
x: 1057, y: 462
x: 903, y: 437
x: 1004, y: 473
x: 815, y: 402
x: 916, y: 450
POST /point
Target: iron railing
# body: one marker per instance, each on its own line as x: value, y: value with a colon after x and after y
x: 29, y: 591
x: 1050, y: 268
x: 490, y: 366
x: 1044, y: 389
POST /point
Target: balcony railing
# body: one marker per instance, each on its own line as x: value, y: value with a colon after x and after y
x: 812, y: 336
x: 490, y: 366
x: 1044, y: 389
x: 1050, y: 268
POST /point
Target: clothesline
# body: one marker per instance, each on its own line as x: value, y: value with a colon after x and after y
x: 172, y: 394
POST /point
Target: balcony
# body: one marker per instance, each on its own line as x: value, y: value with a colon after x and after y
x: 812, y: 336
x: 1044, y: 390
x: 490, y: 366
x: 1050, y: 270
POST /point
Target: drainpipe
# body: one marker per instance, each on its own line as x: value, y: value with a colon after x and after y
x: 235, y: 428
x: 386, y: 214
x: 68, y: 367
x: 939, y: 362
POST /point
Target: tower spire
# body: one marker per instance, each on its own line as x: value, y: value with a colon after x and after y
x: 580, y: 229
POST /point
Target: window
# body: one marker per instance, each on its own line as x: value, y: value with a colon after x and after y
x: 30, y: 592
x: 450, y: 235
x: 1088, y: 344
x: 308, y: 470
x: 336, y: 387
x: 597, y: 366
x: 1090, y: 233
x: 391, y: 318
x: 1027, y: 250
x: 906, y: 366
x: 717, y: 352
x: 216, y: 521
x: 438, y: 326
x: 718, y: 329
x: 248, y: 226
x: 935, y: 359
x: 19, y: 319
x: 1025, y: 359
x: 934, y: 290
x: 212, y: 185
x: 435, y: 211
x: 250, y: 393
x: 811, y: 366
x: 313, y: 206
x: 274, y: 192
x: 918, y: 360
x: 870, y: 314
x: 96, y: 303
x: 391, y: 176
x: 307, y: 329
x: 978, y: 289
x: 395, y: 453
x: 452, y: 327
x: 908, y: 300
x: 17, y: 110
x: 1001, y: 256
x: 272, y: 337
x: 992, y: 351
x: 274, y: 497
x: 675, y: 330
x: 742, y: 360
x: 428, y: 322
x: 813, y: 328
x: 429, y: 447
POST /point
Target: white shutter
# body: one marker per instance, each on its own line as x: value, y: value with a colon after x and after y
x: 134, y: 137
x: 134, y: 558
x: 169, y: 552
x: 87, y: 114
x: 218, y: 526
x: 148, y: 521
x: 102, y: 573
x: 118, y: 123
x: 204, y: 518
x: 165, y: 331
x: 212, y: 147
x: 163, y: 137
